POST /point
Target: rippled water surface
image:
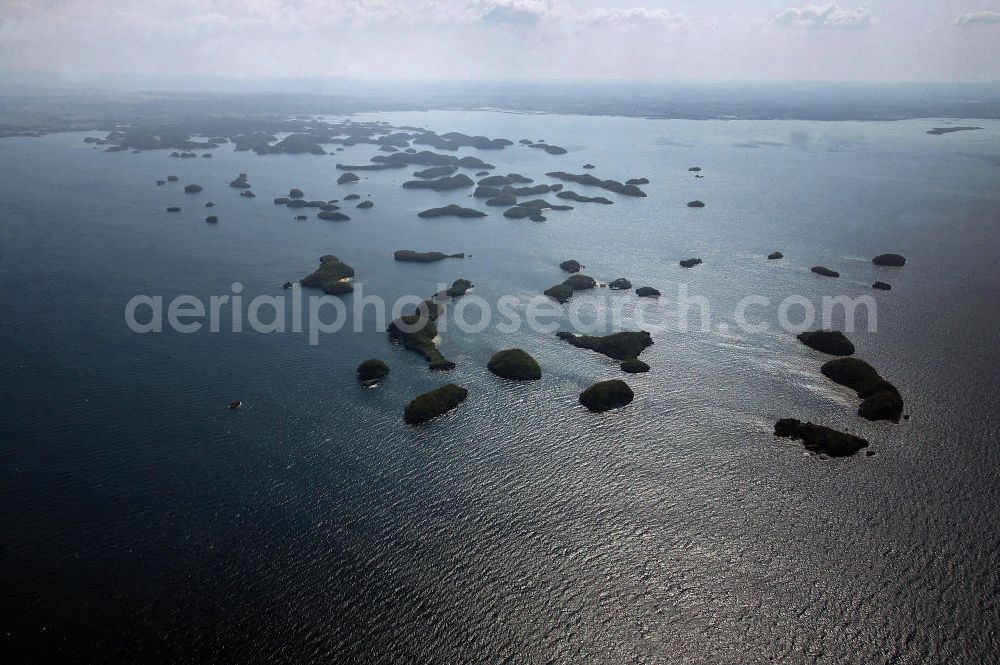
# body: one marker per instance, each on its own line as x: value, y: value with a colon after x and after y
x: 144, y: 522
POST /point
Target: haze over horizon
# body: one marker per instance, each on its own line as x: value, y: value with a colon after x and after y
x: 104, y: 41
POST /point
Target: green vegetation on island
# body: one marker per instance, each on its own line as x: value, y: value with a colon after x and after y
x: 515, y: 364
x: 606, y: 395
x: 435, y: 403
x: 880, y: 399
x: 819, y: 438
x: 832, y: 342
x: 332, y: 276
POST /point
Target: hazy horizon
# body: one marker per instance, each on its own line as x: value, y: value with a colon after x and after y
x: 117, y: 43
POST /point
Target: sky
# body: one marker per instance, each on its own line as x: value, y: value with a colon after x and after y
x: 90, y: 41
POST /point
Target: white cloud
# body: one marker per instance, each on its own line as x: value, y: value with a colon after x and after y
x: 636, y: 16
x: 518, y: 12
x: 977, y: 18
x: 829, y: 16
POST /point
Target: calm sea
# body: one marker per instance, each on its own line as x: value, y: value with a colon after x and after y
x: 145, y: 522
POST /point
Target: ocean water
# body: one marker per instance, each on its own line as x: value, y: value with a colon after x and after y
x: 144, y: 522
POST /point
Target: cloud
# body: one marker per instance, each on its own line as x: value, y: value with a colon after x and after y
x: 977, y: 18
x: 518, y: 12
x: 830, y: 16
x: 636, y: 16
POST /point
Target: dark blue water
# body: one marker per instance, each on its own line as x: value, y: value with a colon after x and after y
x: 143, y: 521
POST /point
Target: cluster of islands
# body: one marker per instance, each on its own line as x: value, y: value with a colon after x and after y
x: 518, y: 196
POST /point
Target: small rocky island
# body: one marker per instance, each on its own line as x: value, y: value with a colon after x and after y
x: 192, y: 189
x: 589, y: 180
x: 620, y: 284
x: 622, y: 346
x: 775, y: 255
x: 435, y: 403
x: 882, y: 286
x: 570, y: 195
x: 451, y: 210
x: 647, y: 292
x: 571, y: 265
x: 442, y: 184
x: 606, y: 395
x: 515, y: 364
x: 937, y: 131
x: 411, y: 256
x: 819, y: 438
x: 880, y: 399
x: 832, y: 342
x: 690, y: 263
x: 333, y: 276
x: 372, y: 371
x: 890, y: 260
x: 696, y: 204
x: 826, y: 272
x: 347, y: 177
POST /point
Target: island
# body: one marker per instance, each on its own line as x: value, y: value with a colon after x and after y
x: 560, y: 293
x: 937, y: 131
x: 891, y: 260
x: 484, y: 192
x: 551, y: 149
x: 571, y: 265
x: 210, y: 204
x: 647, y: 292
x: 882, y: 286
x: 621, y: 284
x: 695, y: 168
x: 573, y: 196
x: 606, y: 395
x: 239, y: 183
x: 333, y: 216
x: 634, y: 366
x: 371, y: 371
x: 211, y: 219
x: 457, y: 288
x: 301, y: 218
x: 434, y: 403
x: 532, y: 190
x: 580, y: 282
x: 365, y: 205
x: 502, y: 199
x: 436, y: 171
x: 423, y: 257
x: 504, y: 180
x: 295, y: 193
x: 416, y: 332
x: 826, y: 272
x: 696, y: 204
x: 352, y: 197
x: 589, y: 180
x: 247, y: 194
x: 637, y: 181
x: 440, y: 184
x: 347, y: 177
x: 515, y: 364
x: 690, y: 263
x: 832, y: 342
x: 880, y: 399
x: 819, y: 438
x: 775, y: 255
x: 332, y: 276
x: 174, y: 209
x: 451, y: 210
x: 621, y: 346
x: 192, y: 189
x: 173, y: 178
